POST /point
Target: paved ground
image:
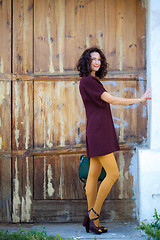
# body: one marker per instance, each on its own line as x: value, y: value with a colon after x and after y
x: 117, y: 231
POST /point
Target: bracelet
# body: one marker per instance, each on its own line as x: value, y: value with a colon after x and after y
x: 141, y: 100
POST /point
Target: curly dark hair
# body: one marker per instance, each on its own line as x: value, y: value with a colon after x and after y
x: 84, y: 63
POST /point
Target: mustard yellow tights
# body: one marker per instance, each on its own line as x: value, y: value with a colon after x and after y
x: 95, y: 200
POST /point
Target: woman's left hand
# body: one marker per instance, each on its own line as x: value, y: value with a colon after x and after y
x: 146, y: 95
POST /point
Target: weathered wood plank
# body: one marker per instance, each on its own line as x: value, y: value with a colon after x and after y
x: 22, y: 124
x: 5, y: 39
x: 60, y: 123
x: 74, y: 149
x: 53, y: 177
x: 50, y: 112
x: 5, y: 115
x: 45, y: 36
x: 80, y: 21
x: 120, y: 34
x: 90, y: 19
x: 57, y: 177
x: 5, y: 111
x: 141, y: 34
x: 5, y: 77
x: 74, y: 210
x: 22, y: 171
x: 60, y: 34
x: 54, y: 129
x: 44, y: 127
x: 100, y: 24
x: 126, y: 185
x: 5, y: 189
x: 23, y: 36
x: 69, y: 36
x: 73, y: 76
x: 130, y: 38
x: 110, y: 33
x: 70, y: 124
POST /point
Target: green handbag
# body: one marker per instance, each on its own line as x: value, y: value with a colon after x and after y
x: 84, y: 169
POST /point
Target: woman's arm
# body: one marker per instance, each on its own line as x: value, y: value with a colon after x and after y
x: 125, y: 101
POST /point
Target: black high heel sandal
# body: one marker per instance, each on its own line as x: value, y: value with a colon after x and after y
x: 92, y: 226
x: 104, y: 229
x: 86, y: 221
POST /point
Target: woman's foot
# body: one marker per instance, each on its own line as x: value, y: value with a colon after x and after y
x: 104, y: 229
x: 93, y: 216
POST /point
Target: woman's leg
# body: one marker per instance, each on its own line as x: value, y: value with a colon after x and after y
x: 91, y: 185
x: 109, y: 164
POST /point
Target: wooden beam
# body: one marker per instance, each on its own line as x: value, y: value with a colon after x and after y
x: 62, y: 150
x: 73, y: 76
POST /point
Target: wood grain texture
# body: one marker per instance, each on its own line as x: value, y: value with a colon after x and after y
x: 41, y: 111
x: 110, y: 33
x: 5, y: 189
x: 5, y: 111
x: 66, y: 28
x: 22, y: 172
x: 44, y: 36
x: 5, y: 37
x: 74, y: 211
x: 141, y: 34
x: 22, y: 122
x: 5, y: 115
x: 57, y: 178
x: 23, y: 36
x: 60, y: 116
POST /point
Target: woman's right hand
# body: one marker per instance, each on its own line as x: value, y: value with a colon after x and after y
x: 146, y: 95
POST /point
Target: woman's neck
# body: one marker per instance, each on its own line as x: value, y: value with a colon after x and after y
x: 93, y: 73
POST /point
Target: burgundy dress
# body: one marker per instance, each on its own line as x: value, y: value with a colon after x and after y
x: 101, y: 137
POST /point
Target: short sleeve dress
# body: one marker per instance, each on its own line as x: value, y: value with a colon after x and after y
x: 101, y: 137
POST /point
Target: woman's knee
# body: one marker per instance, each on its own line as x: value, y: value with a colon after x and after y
x: 114, y: 175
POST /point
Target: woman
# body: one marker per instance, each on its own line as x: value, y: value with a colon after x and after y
x: 101, y: 140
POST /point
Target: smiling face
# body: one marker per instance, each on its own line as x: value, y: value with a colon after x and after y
x: 95, y: 62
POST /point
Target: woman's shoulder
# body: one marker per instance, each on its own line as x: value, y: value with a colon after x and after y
x: 89, y: 79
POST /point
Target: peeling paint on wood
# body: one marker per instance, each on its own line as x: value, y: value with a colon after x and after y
x: 17, y: 106
x: 49, y: 132
x: 87, y: 42
x: 121, y: 175
x: 61, y: 185
x: 121, y: 136
x: 27, y: 116
x: 61, y: 114
x: 99, y: 36
x: 1, y: 65
x: 133, y: 172
x: 51, y: 68
x: 61, y: 28
x: 59, y: 124
x: 144, y: 4
x: 16, y: 197
x: 50, y: 179
x: 27, y: 201
x: 120, y: 54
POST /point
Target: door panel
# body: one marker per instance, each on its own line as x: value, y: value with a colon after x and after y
x: 42, y: 121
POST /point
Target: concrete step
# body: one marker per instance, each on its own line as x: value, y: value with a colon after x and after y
x: 116, y: 230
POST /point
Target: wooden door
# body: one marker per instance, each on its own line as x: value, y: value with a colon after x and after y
x: 45, y: 127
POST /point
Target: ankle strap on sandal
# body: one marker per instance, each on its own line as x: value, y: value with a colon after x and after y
x: 98, y: 216
x: 95, y: 212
